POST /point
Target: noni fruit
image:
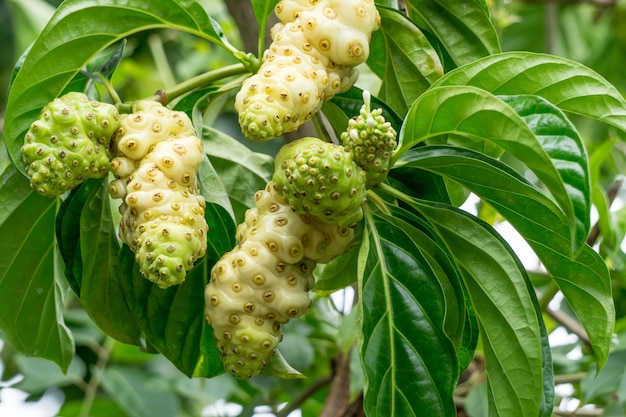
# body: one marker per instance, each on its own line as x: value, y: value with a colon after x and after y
x: 69, y: 143
x: 321, y: 179
x: 314, y: 50
x: 158, y: 156
x: 371, y: 140
x: 264, y: 281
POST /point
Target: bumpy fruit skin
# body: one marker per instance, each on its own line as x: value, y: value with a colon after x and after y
x: 312, y: 57
x: 264, y: 281
x: 69, y: 143
x: 158, y: 156
x: 321, y: 179
x: 370, y: 140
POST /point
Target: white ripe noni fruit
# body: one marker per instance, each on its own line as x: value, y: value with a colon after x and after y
x: 158, y: 156
x: 312, y: 57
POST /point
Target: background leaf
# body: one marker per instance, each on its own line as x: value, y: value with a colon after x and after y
x: 31, y: 302
x: 139, y: 394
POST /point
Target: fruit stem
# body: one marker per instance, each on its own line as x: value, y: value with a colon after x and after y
x: 378, y: 202
x: 109, y: 87
x: 201, y: 81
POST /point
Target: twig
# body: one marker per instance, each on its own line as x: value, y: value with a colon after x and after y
x: 581, y: 412
x: 338, y: 398
x: 304, y: 395
x: 96, y: 376
x: 203, y: 80
x: 570, y: 324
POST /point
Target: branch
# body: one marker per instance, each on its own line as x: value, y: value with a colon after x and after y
x: 338, y: 398
x: 96, y: 377
x: 304, y: 395
x: 581, y: 412
x: 570, y: 324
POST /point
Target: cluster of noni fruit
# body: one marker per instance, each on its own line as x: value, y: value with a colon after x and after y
x: 307, y: 212
x: 154, y: 155
x: 156, y: 167
x: 315, y: 47
x: 305, y: 215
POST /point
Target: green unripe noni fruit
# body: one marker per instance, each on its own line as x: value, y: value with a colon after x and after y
x: 321, y: 179
x: 69, y: 143
x: 371, y: 140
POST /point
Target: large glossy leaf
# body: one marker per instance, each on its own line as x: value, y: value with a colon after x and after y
x: 412, y: 64
x: 559, y: 138
x: 87, y: 242
x: 410, y: 365
x: 101, y: 293
x: 463, y: 28
x: 569, y: 85
x: 79, y: 30
x: 435, y: 253
x: 497, y: 285
x: 31, y: 303
x: 476, y: 114
x: 172, y: 319
x: 583, y: 278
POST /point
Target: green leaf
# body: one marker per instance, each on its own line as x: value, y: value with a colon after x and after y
x: 410, y: 365
x: 463, y: 28
x: 89, y: 247
x: 338, y: 273
x: 218, y: 212
x: 172, y: 319
x: 101, y: 293
x: 583, y: 278
x: 439, y: 260
x: 137, y: 393
x: 279, y: 367
x: 262, y: 10
x: 77, y: 32
x: 31, y: 303
x: 569, y: 85
x: 509, y: 325
x: 476, y: 114
x: 513, y: 196
x: 67, y: 230
x: 412, y: 64
x: 585, y: 282
x: 242, y: 171
x: 560, y: 140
